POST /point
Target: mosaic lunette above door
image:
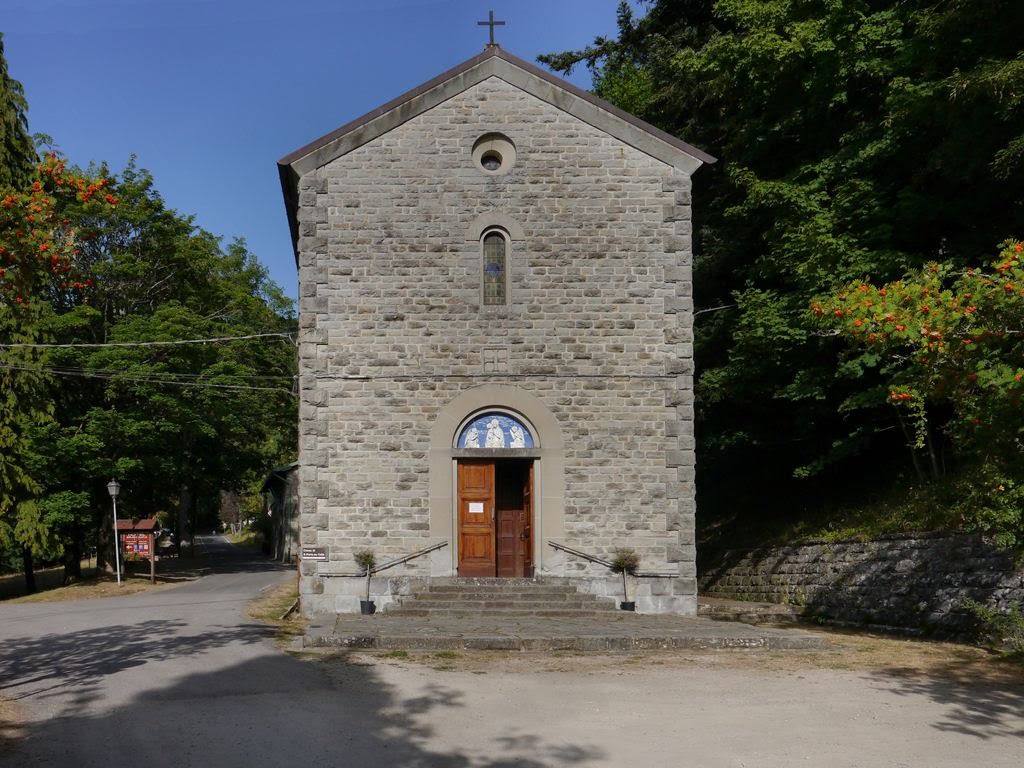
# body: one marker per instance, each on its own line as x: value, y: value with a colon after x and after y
x: 495, y: 430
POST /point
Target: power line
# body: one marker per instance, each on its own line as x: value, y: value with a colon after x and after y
x: 156, y: 375
x: 290, y: 336
x: 109, y: 376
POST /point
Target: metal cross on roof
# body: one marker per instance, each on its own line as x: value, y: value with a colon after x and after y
x: 491, y: 23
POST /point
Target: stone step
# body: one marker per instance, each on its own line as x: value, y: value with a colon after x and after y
x: 495, y: 612
x: 529, y: 605
x: 498, y: 581
x: 561, y: 589
x: 502, y: 601
x: 493, y: 594
x: 454, y: 596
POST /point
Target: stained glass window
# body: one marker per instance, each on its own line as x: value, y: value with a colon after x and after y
x: 494, y: 268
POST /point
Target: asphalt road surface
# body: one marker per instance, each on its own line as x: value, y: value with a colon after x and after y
x: 180, y: 677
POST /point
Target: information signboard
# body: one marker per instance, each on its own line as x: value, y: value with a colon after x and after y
x: 136, y: 544
x: 314, y: 554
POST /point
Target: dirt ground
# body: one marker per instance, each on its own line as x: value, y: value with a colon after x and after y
x: 851, y: 651
x: 870, y: 701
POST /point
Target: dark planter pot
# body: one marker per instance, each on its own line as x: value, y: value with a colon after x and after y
x: 627, y: 606
x: 366, y: 607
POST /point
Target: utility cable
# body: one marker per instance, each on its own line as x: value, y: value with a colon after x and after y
x: 290, y: 336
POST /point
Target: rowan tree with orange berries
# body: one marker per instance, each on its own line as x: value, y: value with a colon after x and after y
x: 952, y: 342
x: 38, y: 251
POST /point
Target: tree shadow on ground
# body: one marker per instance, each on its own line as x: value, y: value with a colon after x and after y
x: 986, y: 709
x: 274, y: 709
x: 76, y: 662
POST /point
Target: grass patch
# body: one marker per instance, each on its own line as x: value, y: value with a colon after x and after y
x: 893, y: 509
x: 10, y: 724
x: 247, y: 539
x: 272, y: 605
x: 395, y: 655
x: 12, y: 585
x: 446, y: 655
x: 95, y: 583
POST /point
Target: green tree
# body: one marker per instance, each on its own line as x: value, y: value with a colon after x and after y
x: 39, y: 250
x: 121, y: 283
x: 17, y: 152
x: 949, y: 343
x: 858, y: 138
x: 178, y: 423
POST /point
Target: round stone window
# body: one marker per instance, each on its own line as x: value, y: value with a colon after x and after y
x: 491, y: 161
x: 494, y: 154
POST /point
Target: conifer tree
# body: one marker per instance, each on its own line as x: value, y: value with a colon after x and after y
x: 17, y: 153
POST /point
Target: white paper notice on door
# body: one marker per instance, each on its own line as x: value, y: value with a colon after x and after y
x: 476, y: 507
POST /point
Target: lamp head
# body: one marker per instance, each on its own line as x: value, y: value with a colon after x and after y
x: 114, y: 488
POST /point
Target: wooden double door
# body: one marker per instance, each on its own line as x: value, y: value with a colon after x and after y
x: 495, y: 517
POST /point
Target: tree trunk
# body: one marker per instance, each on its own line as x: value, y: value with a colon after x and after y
x: 104, y: 548
x: 910, y: 446
x: 30, y: 573
x: 184, y: 502
x: 936, y: 473
x: 73, y: 562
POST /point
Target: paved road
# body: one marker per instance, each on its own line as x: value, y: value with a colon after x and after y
x: 154, y: 676
x: 182, y: 678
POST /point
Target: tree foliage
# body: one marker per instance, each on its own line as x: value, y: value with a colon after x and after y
x: 39, y: 251
x: 102, y: 290
x: 17, y: 152
x: 949, y: 343
x: 859, y: 140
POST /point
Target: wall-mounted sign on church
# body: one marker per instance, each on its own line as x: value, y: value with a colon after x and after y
x: 495, y: 339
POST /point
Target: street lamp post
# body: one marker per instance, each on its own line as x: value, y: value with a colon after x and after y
x: 114, y: 488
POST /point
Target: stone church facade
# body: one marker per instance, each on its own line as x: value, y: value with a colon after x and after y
x: 495, y: 351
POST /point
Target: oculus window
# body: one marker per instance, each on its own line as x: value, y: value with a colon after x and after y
x: 494, y: 154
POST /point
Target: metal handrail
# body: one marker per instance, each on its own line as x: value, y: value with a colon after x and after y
x: 607, y: 563
x: 390, y: 563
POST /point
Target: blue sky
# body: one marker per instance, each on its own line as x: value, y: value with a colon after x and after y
x: 210, y: 94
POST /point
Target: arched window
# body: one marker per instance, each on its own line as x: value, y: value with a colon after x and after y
x: 495, y: 267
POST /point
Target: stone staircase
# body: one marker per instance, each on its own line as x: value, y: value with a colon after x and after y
x: 455, y: 596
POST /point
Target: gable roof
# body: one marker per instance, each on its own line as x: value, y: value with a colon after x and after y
x: 493, y: 62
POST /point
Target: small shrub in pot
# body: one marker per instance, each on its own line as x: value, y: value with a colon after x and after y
x: 625, y: 561
x: 366, y: 560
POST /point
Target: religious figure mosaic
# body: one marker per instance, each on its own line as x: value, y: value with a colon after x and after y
x: 495, y: 430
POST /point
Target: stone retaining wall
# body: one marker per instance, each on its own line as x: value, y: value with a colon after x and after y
x: 911, y: 583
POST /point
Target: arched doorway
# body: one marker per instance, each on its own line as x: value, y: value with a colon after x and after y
x: 495, y: 510
x: 530, y: 479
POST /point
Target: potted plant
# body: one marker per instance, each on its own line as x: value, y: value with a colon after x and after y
x: 365, y: 559
x: 625, y: 561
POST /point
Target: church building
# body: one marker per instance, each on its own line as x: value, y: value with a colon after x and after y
x: 496, y: 343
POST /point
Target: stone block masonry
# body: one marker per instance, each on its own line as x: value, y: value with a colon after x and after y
x: 597, y: 329
x: 916, y: 583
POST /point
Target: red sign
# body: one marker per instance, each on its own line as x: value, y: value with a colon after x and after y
x: 136, y: 544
